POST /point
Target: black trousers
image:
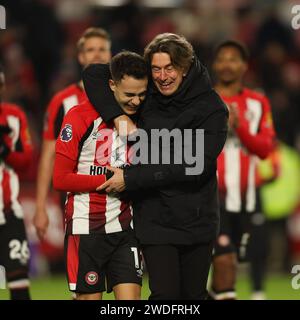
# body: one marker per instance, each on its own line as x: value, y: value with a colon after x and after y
x: 178, y: 271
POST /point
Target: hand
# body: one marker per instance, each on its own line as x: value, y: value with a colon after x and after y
x: 116, y: 183
x: 41, y: 222
x: 233, y: 120
x: 125, y: 126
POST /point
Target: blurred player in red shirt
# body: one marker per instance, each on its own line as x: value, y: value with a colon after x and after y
x: 251, y: 136
x: 100, y: 245
x: 94, y: 46
x: 15, y: 154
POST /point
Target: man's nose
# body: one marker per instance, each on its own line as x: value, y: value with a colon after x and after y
x: 162, y: 75
x: 136, y: 101
x: 99, y: 57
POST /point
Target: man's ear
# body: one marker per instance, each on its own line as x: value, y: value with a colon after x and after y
x: 112, y: 85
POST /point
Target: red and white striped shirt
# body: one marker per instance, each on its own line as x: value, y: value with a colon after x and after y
x: 19, y: 156
x: 85, y: 147
x: 252, y: 139
x: 58, y: 107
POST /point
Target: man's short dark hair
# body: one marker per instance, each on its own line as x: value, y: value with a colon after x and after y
x: 177, y: 47
x: 233, y: 44
x: 130, y: 64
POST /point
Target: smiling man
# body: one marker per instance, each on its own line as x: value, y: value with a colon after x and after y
x: 94, y: 46
x: 175, y: 214
x: 167, y: 75
x: 129, y: 90
x: 99, y: 244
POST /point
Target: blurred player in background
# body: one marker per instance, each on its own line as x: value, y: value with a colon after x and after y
x: 100, y: 244
x: 94, y: 46
x: 15, y: 154
x: 251, y: 135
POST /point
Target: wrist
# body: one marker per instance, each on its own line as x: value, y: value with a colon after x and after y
x: 40, y: 206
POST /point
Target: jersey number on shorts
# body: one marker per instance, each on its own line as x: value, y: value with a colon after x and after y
x: 136, y: 257
x: 19, y: 250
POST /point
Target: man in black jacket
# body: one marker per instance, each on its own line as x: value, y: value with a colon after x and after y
x: 176, y: 215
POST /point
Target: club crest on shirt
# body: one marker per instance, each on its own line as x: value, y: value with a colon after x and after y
x: 91, y: 277
x: 66, y: 133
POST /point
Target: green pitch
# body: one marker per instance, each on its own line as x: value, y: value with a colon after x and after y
x: 55, y: 288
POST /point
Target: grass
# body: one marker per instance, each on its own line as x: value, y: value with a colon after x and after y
x: 278, y: 287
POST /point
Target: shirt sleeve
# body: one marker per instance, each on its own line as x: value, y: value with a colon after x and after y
x: 53, y: 119
x: 263, y: 142
x: 70, y: 136
x: 65, y: 177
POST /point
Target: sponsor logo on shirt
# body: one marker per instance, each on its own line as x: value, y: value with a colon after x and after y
x: 66, y: 133
x: 95, y: 170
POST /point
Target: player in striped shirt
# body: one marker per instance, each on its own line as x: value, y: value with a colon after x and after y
x: 93, y: 47
x: 15, y: 154
x: 100, y: 243
x: 251, y: 137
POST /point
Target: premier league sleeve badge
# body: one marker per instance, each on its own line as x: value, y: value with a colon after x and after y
x: 66, y: 133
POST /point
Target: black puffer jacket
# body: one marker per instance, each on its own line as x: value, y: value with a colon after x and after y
x: 171, y: 207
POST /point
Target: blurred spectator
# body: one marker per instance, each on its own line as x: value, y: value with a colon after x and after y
x: 278, y: 74
x: 273, y: 30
